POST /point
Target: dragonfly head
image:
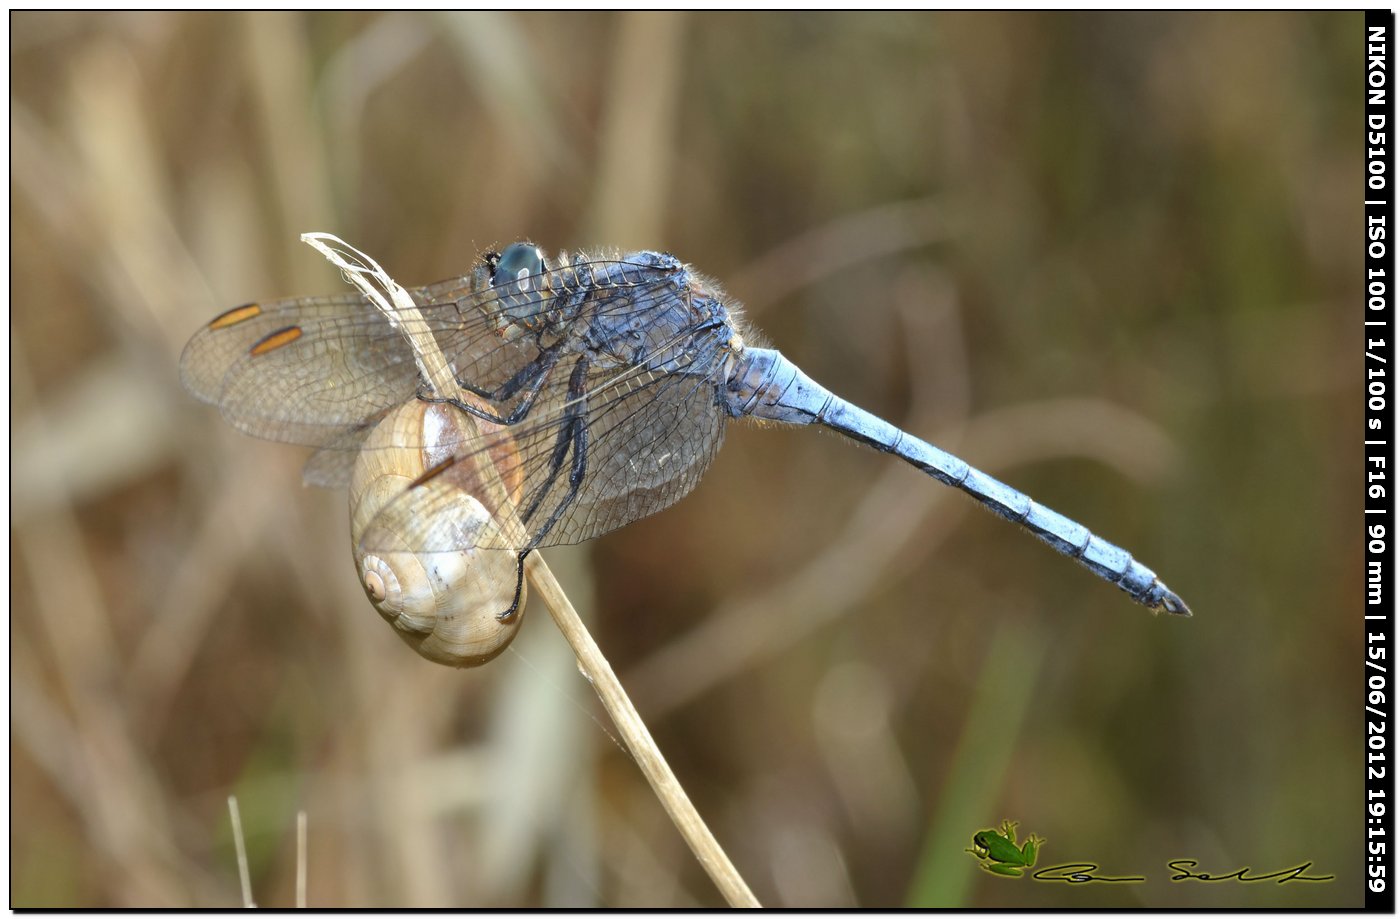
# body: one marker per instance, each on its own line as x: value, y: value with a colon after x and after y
x: 519, y: 280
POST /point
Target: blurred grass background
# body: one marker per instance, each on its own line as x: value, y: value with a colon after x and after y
x: 1110, y: 258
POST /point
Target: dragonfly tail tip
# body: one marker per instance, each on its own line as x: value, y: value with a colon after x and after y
x: 1169, y: 602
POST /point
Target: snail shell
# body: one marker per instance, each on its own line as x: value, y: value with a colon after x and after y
x: 443, y: 604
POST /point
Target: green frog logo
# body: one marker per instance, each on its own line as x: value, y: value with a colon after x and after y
x: 999, y: 853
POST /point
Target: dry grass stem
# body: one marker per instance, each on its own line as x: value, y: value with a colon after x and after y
x: 244, y: 882
x: 638, y: 739
x: 301, y: 859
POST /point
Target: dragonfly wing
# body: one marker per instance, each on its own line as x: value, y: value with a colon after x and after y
x: 648, y: 442
x: 302, y: 371
x: 332, y: 464
x: 308, y: 370
x: 643, y: 433
x: 648, y: 432
x: 329, y: 468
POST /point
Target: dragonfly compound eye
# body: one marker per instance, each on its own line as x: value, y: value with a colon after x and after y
x: 518, y: 279
x: 519, y: 263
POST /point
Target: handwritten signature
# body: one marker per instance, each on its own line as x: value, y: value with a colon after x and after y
x: 1183, y: 865
x: 1085, y: 872
x: 1080, y: 873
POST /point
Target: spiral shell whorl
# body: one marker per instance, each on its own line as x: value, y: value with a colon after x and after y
x: 443, y: 604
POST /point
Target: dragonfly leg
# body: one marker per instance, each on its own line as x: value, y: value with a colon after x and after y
x: 531, y: 378
x: 573, y: 435
x: 514, y: 607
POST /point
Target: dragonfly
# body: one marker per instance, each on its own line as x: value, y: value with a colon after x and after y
x: 600, y: 386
